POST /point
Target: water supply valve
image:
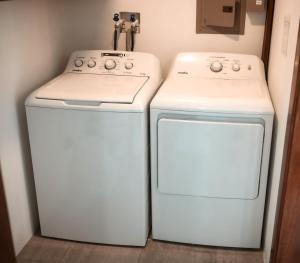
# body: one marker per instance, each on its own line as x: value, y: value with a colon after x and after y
x: 119, y: 23
x: 134, y: 23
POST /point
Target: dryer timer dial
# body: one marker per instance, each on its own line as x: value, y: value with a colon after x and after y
x: 216, y: 66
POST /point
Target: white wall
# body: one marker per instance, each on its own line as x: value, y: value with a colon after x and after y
x: 169, y: 26
x: 37, y: 37
x: 31, y: 52
x: 280, y: 79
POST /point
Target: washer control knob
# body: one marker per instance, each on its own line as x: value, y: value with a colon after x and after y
x: 216, y: 66
x: 91, y: 63
x: 128, y: 65
x: 78, y: 62
x: 110, y: 64
x: 236, y: 67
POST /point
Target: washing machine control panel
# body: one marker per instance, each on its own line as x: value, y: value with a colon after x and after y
x: 219, y: 65
x: 113, y: 63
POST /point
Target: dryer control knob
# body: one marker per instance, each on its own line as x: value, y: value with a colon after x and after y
x: 78, y: 63
x: 236, y: 67
x: 128, y: 65
x: 216, y: 66
x: 91, y: 63
x: 110, y: 64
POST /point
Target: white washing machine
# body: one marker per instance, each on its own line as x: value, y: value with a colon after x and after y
x: 211, y: 127
x: 89, y: 140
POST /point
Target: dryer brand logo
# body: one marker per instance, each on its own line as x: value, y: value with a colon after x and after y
x: 182, y: 72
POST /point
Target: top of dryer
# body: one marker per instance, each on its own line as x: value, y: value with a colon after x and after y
x: 215, y: 82
x: 218, y: 66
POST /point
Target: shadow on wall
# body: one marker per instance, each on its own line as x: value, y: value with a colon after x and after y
x: 256, y: 19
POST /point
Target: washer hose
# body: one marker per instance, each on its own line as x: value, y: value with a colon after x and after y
x: 115, y: 39
x: 132, y: 38
x: 116, y: 19
x: 134, y: 23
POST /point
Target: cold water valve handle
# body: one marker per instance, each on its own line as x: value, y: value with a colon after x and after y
x: 132, y: 18
x: 134, y: 25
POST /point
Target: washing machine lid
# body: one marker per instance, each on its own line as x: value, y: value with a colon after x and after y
x: 92, y: 87
x: 213, y: 95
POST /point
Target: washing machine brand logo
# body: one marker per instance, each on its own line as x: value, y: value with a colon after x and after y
x: 113, y: 54
x: 77, y: 70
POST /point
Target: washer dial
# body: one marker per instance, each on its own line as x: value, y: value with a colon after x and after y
x: 110, y: 64
x: 128, y: 65
x: 91, y: 63
x: 78, y: 62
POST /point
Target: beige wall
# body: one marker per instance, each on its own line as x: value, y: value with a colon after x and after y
x: 280, y: 77
x: 31, y: 53
x: 168, y: 27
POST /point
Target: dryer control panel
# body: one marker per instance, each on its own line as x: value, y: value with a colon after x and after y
x: 113, y: 63
x: 219, y: 65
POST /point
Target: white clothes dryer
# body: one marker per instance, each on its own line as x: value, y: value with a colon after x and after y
x: 211, y: 128
x: 89, y: 140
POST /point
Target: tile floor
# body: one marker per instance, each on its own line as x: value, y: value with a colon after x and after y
x: 47, y: 250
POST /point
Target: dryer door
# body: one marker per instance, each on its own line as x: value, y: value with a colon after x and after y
x: 209, y: 158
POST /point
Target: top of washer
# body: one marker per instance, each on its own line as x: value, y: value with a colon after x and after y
x: 102, y: 79
x: 215, y: 82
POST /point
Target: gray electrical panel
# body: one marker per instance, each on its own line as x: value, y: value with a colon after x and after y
x: 221, y: 16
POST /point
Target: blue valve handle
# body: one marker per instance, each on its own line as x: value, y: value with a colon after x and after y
x: 132, y: 18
